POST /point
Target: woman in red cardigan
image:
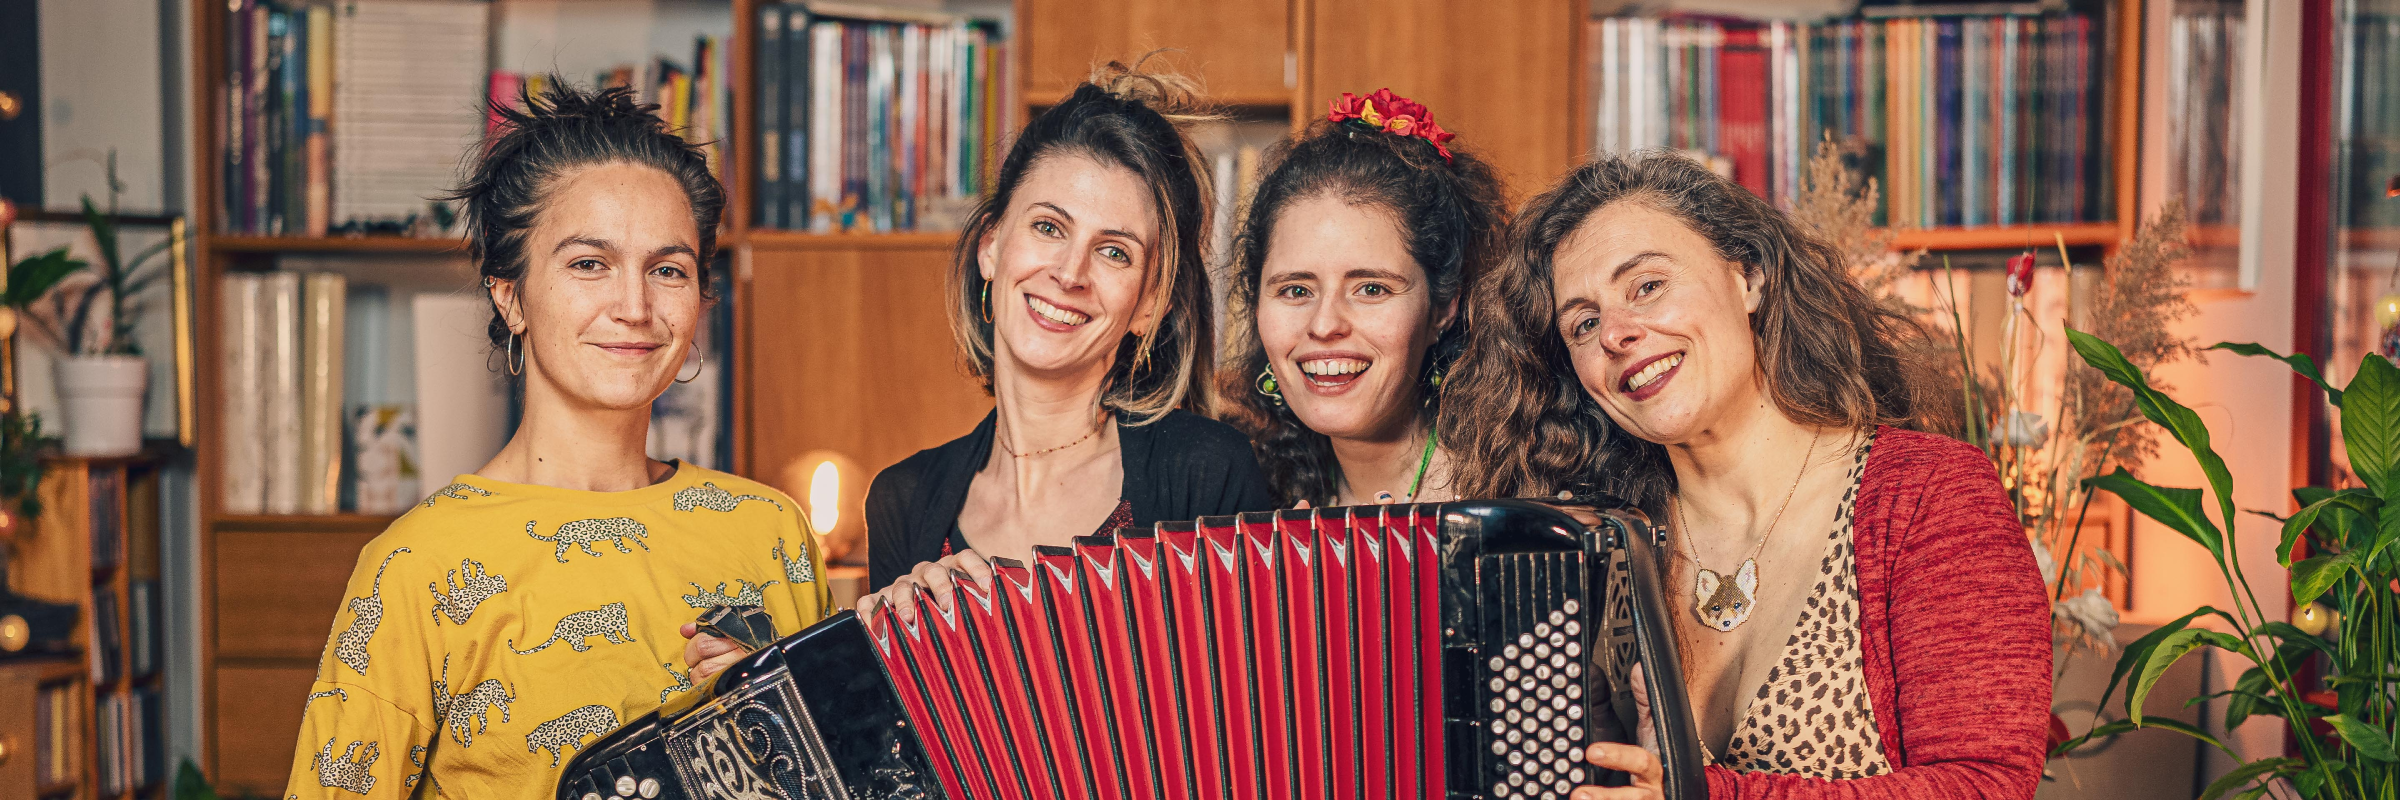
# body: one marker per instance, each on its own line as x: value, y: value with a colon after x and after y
x: 1861, y: 615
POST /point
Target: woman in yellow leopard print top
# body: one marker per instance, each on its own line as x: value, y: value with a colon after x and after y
x: 522, y: 611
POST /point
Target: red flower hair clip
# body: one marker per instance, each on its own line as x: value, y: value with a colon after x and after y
x: 1393, y: 114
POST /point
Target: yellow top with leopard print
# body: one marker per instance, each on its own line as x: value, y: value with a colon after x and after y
x: 497, y: 628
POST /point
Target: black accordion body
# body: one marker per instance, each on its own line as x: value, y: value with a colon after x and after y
x: 1468, y: 650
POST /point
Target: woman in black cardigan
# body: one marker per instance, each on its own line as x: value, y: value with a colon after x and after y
x: 1079, y: 297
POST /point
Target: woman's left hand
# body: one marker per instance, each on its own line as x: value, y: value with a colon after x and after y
x: 708, y: 655
x: 1649, y: 777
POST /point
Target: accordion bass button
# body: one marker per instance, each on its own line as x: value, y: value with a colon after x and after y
x: 1558, y: 617
x: 1575, y: 775
x: 1575, y: 712
x: 626, y: 786
x: 1541, y: 630
x: 1575, y: 733
x: 1524, y: 640
x: 591, y: 796
x: 1574, y: 628
x: 648, y: 789
x: 1498, y: 663
x: 1572, y: 607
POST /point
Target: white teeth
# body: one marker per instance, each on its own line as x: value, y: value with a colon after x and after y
x: 1334, y: 366
x: 1054, y: 313
x: 1651, y: 373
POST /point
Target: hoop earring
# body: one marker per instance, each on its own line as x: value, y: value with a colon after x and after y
x: 987, y: 302
x: 1266, y: 385
x: 700, y: 357
x: 516, y: 360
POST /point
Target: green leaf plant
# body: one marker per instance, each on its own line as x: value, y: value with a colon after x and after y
x: 94, y: 316
x: 2340, y: 551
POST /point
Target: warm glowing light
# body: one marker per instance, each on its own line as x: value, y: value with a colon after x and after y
x: 825, y: 497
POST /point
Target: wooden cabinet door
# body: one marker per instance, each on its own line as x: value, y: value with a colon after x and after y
x: 1236, y: 48
x: 1499, y: 73
x: 848, y: 349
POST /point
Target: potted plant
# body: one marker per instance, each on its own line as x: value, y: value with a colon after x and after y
x: 88, y: 317
x: 2343, y: 552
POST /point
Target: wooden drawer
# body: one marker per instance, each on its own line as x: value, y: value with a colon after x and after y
x: 278, y: 591
x: 257, y: 718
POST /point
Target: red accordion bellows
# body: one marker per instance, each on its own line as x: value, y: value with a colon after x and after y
x: 1293, y: 656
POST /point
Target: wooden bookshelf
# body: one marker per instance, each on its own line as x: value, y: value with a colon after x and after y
x: 95, y: 540
x: 2122, y: 57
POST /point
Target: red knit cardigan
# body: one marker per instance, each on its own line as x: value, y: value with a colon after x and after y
x: 1956, y: 633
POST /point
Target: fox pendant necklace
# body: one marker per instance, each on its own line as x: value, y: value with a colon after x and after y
x: 1721, y: 604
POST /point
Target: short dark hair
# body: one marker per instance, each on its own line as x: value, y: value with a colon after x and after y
x: 1829, y: 353
x: 1133, y: 119
x: 543, y: 138
x: 1449, y: 210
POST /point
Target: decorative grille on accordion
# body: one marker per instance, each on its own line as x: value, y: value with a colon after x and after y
x: 1465, y: 651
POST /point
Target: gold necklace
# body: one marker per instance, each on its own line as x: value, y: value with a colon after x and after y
x: 1097, y: 424
x: 1720, y: 604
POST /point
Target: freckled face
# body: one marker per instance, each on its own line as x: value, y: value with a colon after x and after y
x: 611, y: 291
x: 1345, y: 316
x: 1069, y: 265
x: 1657, y: 324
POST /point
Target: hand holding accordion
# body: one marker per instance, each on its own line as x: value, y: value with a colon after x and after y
x: 1463, y: 650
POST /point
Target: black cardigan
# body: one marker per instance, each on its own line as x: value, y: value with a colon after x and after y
x: 1184, y: 466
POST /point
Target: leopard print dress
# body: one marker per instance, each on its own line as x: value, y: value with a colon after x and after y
x: 1812, y: 716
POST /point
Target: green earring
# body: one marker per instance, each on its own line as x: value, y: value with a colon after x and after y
x: 1266, y: 385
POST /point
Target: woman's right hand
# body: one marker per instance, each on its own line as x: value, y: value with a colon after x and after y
x: 900, y: 597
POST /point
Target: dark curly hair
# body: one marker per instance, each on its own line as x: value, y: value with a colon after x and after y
x: 1828, y: 352
x: 1134, y: 119
x: 1452, y: 213
x: 545, y: 137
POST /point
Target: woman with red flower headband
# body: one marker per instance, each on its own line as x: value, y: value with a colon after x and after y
x: 1362, y: 235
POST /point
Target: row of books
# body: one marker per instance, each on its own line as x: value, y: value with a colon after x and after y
x: 132, y: 753
x: 875, y: 123
x: 345, y: 117
x: 1964, y: 121
x: 695, y: 100
x: 112, y: 647
x: 283, y: 357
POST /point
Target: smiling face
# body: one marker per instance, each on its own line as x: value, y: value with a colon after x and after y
x: 1068, y: 263
x: 611, y: 291
x: 1345, y: 316
x: 1657, y: 323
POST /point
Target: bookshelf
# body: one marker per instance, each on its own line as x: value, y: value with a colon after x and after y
x: 96, y: 546
x: 2114, y: 41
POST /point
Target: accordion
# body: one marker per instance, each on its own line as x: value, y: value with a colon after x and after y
x: 1467, y: 650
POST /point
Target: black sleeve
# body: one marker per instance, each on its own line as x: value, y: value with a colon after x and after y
x: 891, y: 551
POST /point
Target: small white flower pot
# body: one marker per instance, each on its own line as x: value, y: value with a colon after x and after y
x: 101, y: 400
